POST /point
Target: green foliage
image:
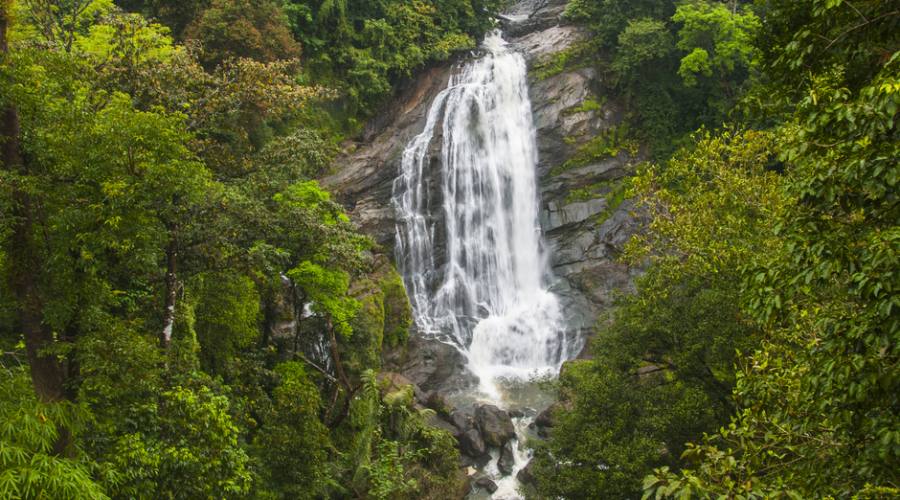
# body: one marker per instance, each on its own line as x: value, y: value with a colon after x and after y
x: 327, y: 290
x: 30, y: 463
x: 717, y: 40
x: 226, y: 317
x: 587, y: 105
x: 200, y: 456
x: 608, y: 144
x: 677, y: 66
x: 641, y: 45
x: 817, y: 401
x: 151, y: 174
x: 292, y: 445
x: 255, y: 29
x: 608, y: 18
x: 663, y: 369
x: 366, y: 48
x: 397, y: 309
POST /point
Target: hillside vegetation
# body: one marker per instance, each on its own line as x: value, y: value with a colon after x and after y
x: 186, y: 313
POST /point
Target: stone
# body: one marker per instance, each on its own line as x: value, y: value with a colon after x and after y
x: 486, y: 484
x: 391, y: 382
x: 431, y: 364
x: 474, y: 463
x: 471, y: 443
x: 507, y: 460
x: 495, y: 424
x: 439, y: 423
x: 546, y: 417
x: 516, y: 413
x: 526, y: 474
x: 438, y: 402
x: 462, y: 419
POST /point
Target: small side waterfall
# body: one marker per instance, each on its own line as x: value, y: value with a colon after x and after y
x: 488, y: 293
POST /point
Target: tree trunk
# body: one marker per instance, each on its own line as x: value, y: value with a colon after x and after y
x: 171, y: 291
x: 24, y: 257
x: 47, y: 373
x: 336, y: 357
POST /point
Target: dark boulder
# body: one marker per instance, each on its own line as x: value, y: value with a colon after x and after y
x: 471, y: 443
x: 507, y: 460
x: 438, y: 402
x: 486, y: 484
x: 526, y: 474
x: 439, y: 423
x: 495, y: 424
x: 546, y: 417
x: 475, y: 462
x: 462, y: 419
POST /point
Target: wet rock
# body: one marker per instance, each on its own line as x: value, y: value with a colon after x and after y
x: 462, y: 419
x: 440, y: 423
x: 486, y: 484
x: 392, y: 382
x: 495, y: 424
x: 507, y: 460
x: 516, y: 413
x: 474, y: 463
x: 571, y: 213
x: 526, y: 474
x: 431, y: 365
x: 464, y: 484
x: 546, y: 417
x: 546, y: 420
x: 471, y: 443
x: 438, y: 402
x: 539, y: 46
x: 527, y: 16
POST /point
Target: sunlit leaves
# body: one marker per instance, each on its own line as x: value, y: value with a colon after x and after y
x: 30, y: 466
x: 717, y: 39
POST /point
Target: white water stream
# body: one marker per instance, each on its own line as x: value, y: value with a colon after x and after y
x: 487, y: 293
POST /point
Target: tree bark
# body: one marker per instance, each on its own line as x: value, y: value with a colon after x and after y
x: 171, y: 291
x: 47, y: 373
x: 25, y: 262
x: 336, y: 357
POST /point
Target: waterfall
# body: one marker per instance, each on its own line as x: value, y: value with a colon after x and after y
x: 487, y: 290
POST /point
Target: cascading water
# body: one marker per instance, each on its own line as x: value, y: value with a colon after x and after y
x: 486, y: 291
x: 489, y: 294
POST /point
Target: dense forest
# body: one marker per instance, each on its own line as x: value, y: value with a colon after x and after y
x: 186, y: 313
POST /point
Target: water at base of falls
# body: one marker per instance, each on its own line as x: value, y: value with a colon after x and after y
x: 487, y: 293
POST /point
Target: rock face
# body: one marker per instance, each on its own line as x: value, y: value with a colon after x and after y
x: 526, y: 475
x: 486, y: 484
x: 507, y: 461
x: 495, y: 424
x: 584, y: 219
x: 471, y: 444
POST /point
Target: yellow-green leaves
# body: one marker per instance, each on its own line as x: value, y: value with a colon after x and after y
x: 717, y: 39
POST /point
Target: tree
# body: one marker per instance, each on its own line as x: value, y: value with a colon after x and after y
x: 29, y: 433
x: 643, y: 44
x: 663, y: 369
x: 254, y: 29
x: 817, y: 402
x: 293, y: 443
x: 718, y: 40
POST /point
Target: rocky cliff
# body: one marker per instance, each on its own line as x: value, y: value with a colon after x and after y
x: 584, y: 165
